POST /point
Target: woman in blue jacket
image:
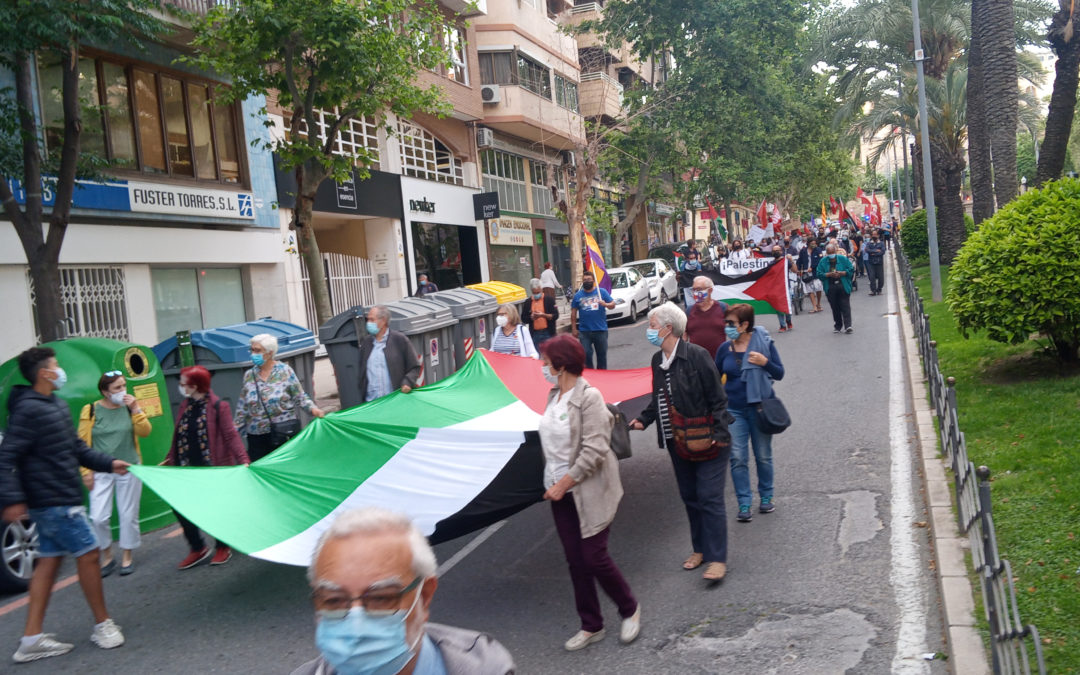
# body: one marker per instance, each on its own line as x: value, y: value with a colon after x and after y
x: 749, y: 363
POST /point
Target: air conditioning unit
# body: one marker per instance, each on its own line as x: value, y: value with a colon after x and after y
x: 568, y: 158
x: 485, y: 138
x: 490, y: 93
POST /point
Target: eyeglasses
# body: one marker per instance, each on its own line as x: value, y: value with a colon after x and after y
x: 376, y: 602
x: 113, y: 373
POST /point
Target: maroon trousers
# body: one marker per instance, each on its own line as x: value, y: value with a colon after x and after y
x: 590, y: 563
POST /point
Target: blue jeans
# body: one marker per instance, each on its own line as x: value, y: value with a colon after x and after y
x: 701, y: 486
x: 744, y: 432
x: 63, y: 530
x: 594, y: 339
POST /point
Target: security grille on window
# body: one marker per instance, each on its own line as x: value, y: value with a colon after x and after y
x: 424, y: 156
x: 533, y: 76
x: 358, y: 136
x: 566, y: 93
x: 505, y: 173
x: 145, y: 121
x: 94, y: 301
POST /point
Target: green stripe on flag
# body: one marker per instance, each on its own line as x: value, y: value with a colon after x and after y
x: 760, y: 306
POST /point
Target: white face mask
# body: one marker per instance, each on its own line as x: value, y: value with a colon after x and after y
x: 501, y: 320
x: 118, y: 397
x: 548, y: 375
x: 184, y: 391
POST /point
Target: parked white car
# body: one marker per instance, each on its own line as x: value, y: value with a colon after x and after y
x: 663, y: 283
x: 630, y: 291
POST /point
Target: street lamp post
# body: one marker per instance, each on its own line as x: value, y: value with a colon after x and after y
x: 1023, y: 184
x: 928, y: 179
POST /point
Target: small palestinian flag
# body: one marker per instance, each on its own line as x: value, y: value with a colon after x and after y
x: 758, y: 282
x: 456, y: 455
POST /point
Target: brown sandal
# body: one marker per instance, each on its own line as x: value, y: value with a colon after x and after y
x: 715, y: 571
x: 693, y: 562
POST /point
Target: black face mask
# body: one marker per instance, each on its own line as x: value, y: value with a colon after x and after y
x: 588, y: 285
x: 736, y: 247
x: 777, y: 254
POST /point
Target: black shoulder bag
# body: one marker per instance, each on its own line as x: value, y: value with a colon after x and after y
x: 280, y: 432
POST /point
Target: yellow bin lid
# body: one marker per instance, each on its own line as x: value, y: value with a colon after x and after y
x: 503, y: 291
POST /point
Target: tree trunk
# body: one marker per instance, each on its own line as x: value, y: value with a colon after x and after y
x: 729, y: 218
x: 634, y: 201
x: 307, y: 181
x: 998, y: 47
x: 1062, y: 100
x: 948, y: 173
x: 982, y: 181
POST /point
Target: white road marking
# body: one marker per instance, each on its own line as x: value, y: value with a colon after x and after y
x: 906, y: 573
x: 469, y: 548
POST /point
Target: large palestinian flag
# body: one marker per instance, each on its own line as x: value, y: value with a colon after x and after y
x: 456, y: 455
x: 758, y: 282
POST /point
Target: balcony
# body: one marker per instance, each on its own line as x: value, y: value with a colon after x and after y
x: 465, y: 7
x: 534, y: 118
x: 600, y: 96
x: 200, y: 7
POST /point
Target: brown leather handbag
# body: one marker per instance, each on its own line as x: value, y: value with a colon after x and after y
x: 693, y: 436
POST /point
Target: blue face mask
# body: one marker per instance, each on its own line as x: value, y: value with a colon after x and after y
x: 653, y: 336
x: 258, y: 359
x: 537, y: 296
x: 361, y: 644
x: 372, y: 328
x: 832, y: 256
x: 61, y: 378
x: 732, y: 332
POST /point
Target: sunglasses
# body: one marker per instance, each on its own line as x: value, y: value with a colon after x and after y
x: 113, y: 373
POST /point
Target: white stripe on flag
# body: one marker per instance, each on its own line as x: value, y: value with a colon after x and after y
x: 431, y: 477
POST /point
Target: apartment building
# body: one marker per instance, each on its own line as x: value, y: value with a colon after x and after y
x: 414, y: 213
x: 530, y: 128
x: 182, y: 233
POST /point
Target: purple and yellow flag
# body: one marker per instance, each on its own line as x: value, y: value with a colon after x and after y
x: 596, y: 261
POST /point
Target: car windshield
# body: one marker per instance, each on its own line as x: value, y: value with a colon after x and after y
x: 618, y: 280
x: 646, y: 269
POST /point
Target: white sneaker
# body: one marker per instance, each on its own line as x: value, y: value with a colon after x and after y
x: 631, y: 626
x: 45, y: 647
x: 107, y: 635
x: 583, y: 639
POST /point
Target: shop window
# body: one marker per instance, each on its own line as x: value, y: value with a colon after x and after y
x: 197, y: 298
x: 437, y: 253
x: 566, y: 93
x: 505, y: 173
x: 424, y: 156
x: 358, y: 139
x: 144, y: 121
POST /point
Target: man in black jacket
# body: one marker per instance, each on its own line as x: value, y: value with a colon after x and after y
x: 388, y: 361
x: 39, y: 478
x: 539, y: 312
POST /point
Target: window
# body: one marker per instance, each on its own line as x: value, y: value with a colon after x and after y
x: 541, y: 188
x: 424, y: 156
x: 455, y: 43
x: 533, y: 76
x: 144, y: 121
x: 566, y: 92
x: 505, y: 173
x: 194, y: 299
x: 360, y: 135
x: 498, y: 68
x: 94, y: 300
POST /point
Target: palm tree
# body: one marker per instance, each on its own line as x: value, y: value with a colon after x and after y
x: 1066, y: 44
x: 982, y: 180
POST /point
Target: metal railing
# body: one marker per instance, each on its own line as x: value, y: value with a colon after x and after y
x: 200, y: 6
x: 1012, y: 643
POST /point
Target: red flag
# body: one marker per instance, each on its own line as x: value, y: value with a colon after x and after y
x: 774, y: 218
x: 762, y: 214
x: 713, y: 215
x: 834, y: 205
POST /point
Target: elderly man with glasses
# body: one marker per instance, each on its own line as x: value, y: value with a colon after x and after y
x: 373, y: 576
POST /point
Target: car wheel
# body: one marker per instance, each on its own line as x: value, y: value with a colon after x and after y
x: 663, y: 297
x: 18, y: 551
x: 633, y: 312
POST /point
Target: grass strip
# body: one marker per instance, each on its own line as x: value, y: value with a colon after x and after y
x: 1019, y: 410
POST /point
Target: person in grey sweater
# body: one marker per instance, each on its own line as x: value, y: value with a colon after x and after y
x: 373, y: 576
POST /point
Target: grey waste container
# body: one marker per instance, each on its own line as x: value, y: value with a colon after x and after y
x: 475, y: 313
x: 226, y: 353
x: 340, y: 338
x: 430, y: 327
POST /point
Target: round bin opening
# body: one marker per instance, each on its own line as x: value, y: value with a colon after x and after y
x: 137, y: 365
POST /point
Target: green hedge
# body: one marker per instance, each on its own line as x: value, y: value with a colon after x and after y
x: 914, y: 239
x: 1020, y: 273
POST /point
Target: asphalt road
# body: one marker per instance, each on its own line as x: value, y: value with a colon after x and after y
x: 829, y: 583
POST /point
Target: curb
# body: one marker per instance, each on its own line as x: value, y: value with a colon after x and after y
x: 967, y: 653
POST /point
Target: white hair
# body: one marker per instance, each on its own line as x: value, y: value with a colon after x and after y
x: 669, y: 314
x: 535, y: 283
x: 267, y: 341
x: 704, y: 279
x: 372, y: 520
